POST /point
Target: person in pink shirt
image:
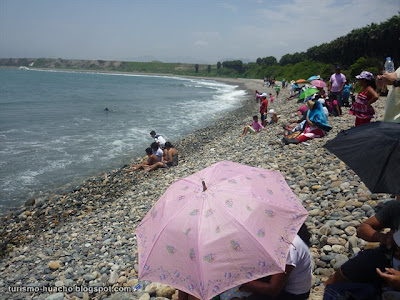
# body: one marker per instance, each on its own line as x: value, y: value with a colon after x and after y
x: 254, y: 127
x: 336, y: 85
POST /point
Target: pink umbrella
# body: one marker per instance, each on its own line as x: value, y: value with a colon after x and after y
x: 221, y: 227
x: 318, y: 83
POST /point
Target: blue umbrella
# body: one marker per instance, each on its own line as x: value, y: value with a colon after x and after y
x: 315, y: 77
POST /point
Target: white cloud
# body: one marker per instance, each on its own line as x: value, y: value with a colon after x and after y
x: 230, y: 7
x: 201, y: 43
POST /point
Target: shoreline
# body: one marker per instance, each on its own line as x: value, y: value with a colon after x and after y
x: 189, y: 142
x: 80, y: 180
x: 90, y: 232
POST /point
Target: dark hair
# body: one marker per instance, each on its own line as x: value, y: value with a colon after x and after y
x: 152, y: 132
x: 149, y: 151
x: 255, y: 117
x: 168, y: 145
x: 304, y: 234
x: 371, y: 83
x: 154, y: 146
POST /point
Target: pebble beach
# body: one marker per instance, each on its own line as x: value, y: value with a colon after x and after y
x: 86, y: 237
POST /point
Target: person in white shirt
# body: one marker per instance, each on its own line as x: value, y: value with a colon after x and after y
x: 158, y: 139
x: 295, y: 282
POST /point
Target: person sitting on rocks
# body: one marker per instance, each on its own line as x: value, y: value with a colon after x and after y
x: 254, y: 127
x: 316, y: 124
x: 358, y: 275
x: 295, y: 282
x: 151, y: 160
x: 273, y: 117
x: 332, y: 105
x: 170, y: 158
x: 157, y: 151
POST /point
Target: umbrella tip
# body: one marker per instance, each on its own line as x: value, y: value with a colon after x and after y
x: 204, y: 186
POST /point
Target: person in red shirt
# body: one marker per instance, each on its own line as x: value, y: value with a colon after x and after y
x: 263, y: 108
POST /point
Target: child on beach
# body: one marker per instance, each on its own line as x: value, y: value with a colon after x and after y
x: 274, y: 117
x: 277, y: 90
x: 332, y: 105
x: 254, y: 127
x: 151, y: 160
x: 271, y: 97
x: 361, y: 108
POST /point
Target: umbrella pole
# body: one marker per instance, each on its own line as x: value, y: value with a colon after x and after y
x: 204, y: 186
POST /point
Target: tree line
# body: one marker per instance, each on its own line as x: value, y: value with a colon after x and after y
x: 366, y: 47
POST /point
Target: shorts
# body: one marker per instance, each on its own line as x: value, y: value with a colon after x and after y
x: 362, y: 267
x: 251, y: 129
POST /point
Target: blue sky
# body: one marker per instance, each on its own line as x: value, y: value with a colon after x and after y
x: 179, y: 30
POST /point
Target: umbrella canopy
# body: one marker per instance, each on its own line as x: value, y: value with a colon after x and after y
x: 235, y: 227
x: 301, y: 81
x: 315, y: 77
x: 373, y: 152
x: 307, y: 93
x: 318, y: 83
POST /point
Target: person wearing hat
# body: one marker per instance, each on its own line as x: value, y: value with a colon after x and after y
x: 361, y: 108
x: 274, y: 117
x: 316, y: 124
x: 263, y: 107
x: 336, y: 84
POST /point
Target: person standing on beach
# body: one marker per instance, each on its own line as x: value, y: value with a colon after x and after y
x: 158, y: 139
x: 336, y: 85
x: 277, y: 90
x: 362, y: 109
x: 263, y: 107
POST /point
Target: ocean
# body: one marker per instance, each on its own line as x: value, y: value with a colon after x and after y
x: 55, y: 132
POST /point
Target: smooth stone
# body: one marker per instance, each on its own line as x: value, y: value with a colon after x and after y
x: 325, y: 230
x: 340, y: 259
x: 113, y: 277
x: 54, y: 264
x: 333, y: 241
x: 122, y: 279
x: 350, y: 230
x: 145, y: 296
x: 337, y: 248
x: 314, y: 212
x: 327, y: 248
x: 56, y: 296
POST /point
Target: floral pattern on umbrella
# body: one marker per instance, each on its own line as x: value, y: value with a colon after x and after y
x: 207, y: 241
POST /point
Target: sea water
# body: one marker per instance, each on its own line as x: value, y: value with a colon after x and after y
x: 55, y: 132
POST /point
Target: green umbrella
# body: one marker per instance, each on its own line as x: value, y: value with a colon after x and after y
x: 307, y: 93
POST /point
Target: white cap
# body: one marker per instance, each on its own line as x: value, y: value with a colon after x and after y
x: 264, y: 95
x: 271, y: 111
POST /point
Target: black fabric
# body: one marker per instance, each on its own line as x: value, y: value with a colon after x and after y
x: 373, y: 152
x: 362, y: 267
